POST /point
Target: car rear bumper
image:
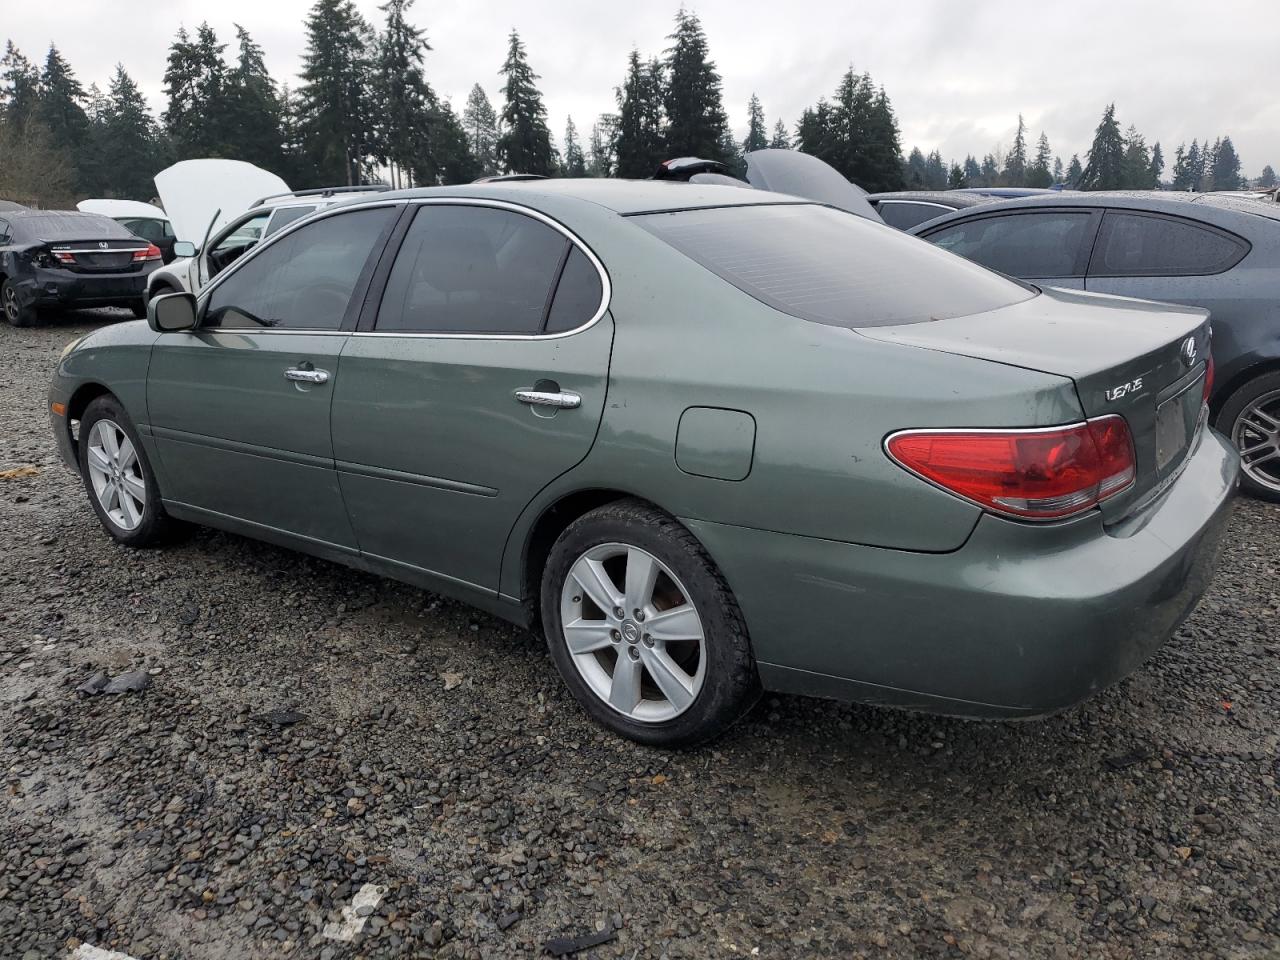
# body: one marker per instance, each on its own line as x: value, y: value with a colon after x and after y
x: 1022, y: 620
x: 55, y: 288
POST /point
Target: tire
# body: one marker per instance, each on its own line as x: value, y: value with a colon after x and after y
x: 139, y: 309
x: 1250, y: 418
x: 718, y: 681
x: 159, y: 290
x: 16, y: 313
x: 134, y: 522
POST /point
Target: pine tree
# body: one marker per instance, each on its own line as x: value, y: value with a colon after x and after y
x: 640, y: 141
x: 857, y: 133
x: 129, y: 145
x: 1225, y: 166
x: 1058, y: 173
x: 990, y: 170
x: 252, y: 109
x: 880, y: 169
x: 406, y: 104
x: 935, y: 172
x: 1156, y: 173
x: 1268, y: 178
x: 525, y: 143
x: 575, y: 163
x: 955, y: 178
x: 1105, y: 167
x: 1015, y: 167
x: 196, y: 119
x: 757, y: 138
x: 914, y: 171
x: 481, y: 125
x: 1195, y: 166
x: 696, y: 122
x: 449, y: 159
x: 1136, y: 167
x: 1040, y: 174
x: 60, y: 110
x: 1074, y: 172
x: 335, y: 92
x: 781, y: 139
x: 1181, y: 172
x: 19, y: 86
x: 296, y: 168
x: 972, y: 171
x: 604, y: 139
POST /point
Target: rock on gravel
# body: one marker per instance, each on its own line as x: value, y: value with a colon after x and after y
x: 496, y: 818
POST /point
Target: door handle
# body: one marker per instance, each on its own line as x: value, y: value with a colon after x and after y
x: 307, y: 376
x: 561, y: 400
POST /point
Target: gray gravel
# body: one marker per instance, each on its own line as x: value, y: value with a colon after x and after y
x: 308, y: 730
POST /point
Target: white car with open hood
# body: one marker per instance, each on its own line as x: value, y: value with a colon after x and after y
x: 221, y: 209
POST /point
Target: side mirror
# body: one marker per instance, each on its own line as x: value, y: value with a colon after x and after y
x: 184, y: 248
x: 171, y: 312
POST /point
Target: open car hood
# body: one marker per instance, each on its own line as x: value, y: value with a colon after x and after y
x: 115, y: 209
x: 802, y: 175
x: 193, y: 190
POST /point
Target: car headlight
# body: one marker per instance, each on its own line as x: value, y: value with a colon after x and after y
x: 69, y: 347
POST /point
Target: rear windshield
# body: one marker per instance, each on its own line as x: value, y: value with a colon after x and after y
x: 831, y: 267
x: 70, y: 226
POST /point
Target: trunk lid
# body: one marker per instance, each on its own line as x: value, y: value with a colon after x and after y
x: 97, y: 256
x: 1144, y: 361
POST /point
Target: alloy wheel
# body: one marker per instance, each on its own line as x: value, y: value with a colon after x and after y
x: 1256, y: 434
x: 11, y: 308
x: 633, y: 632
x: 116, y: 474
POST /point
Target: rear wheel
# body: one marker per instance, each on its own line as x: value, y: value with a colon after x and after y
x: 644, y: 629
x: 138, y: 308
x: 118, y: 478
x: 1251, y: 418
x: 16, y: 313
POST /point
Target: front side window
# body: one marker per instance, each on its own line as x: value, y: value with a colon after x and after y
x: 831, y: 267
x: 303, y: 282
x: 472, y: 269
x: 1028, y: 245
x: 1132, y: 244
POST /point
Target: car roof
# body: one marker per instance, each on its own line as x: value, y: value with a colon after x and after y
x: 952, y: 198
x: 1225, y: 211
x: 625, y: 197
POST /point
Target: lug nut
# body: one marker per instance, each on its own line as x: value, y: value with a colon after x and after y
x: 615, y: 636
x: 619, y: 612
x: 640, y: 616
x: 648, y: 640
x: 634, y: 653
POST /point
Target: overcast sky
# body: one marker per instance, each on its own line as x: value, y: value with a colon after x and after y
x: 958, y: 73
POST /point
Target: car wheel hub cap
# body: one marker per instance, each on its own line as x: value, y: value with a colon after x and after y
x: 633, y: 632
x: 1256, y: 434
x: 115, y: 473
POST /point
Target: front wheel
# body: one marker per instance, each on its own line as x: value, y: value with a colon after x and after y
x: 1251, y: 418
x: 139, y: 309
x: 117, y: 477
x: 644, y: 629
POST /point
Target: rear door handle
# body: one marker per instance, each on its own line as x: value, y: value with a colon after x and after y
x: 562, y: 400
x: 307, y: 376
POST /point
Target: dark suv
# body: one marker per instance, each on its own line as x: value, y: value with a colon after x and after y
x: 55, y: 258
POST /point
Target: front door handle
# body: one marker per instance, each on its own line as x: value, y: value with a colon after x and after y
x: 307, y: 376
x: 561, y: 400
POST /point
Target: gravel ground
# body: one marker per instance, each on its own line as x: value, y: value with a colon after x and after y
x: 436, y: 756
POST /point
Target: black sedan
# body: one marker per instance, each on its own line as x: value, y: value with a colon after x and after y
x: 58, y: 259
x: 905, y: 209
x: 1206, y: 250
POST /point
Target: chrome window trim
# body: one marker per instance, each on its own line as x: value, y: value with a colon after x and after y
x: 606, y: 288
x: 920, y: 203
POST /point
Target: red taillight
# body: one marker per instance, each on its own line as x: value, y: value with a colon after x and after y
x: 1208, y: 377
x: 151, y: 253
x: 64, y: 257
x: 1038, y: 474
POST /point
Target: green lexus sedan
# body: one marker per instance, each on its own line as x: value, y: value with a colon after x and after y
x: 708, y: 440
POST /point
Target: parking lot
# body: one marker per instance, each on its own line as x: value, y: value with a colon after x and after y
x: 314, y: 739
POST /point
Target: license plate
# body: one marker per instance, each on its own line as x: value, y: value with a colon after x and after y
x: 1176, y: 421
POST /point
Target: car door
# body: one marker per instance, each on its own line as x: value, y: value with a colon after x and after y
x: 478, y: 376
x: 240, y: 407
x: 1047, y: 247
x: 237, y: 239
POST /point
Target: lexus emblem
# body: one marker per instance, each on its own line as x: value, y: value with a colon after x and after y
x: 102, y: 246
x: 1188, y: 351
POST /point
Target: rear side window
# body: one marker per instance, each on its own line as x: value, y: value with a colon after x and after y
x: 1027, y: 245
x: 1133, y: 244
x: 905, y: 214
x: 831, y: 267
x: 303, y: 282
x: 577, y: 295
x: 285, y: 216
x: 472, y: 269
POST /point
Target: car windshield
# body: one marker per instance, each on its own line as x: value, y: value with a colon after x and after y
x: 832, y: 267
x: 72, y: 226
